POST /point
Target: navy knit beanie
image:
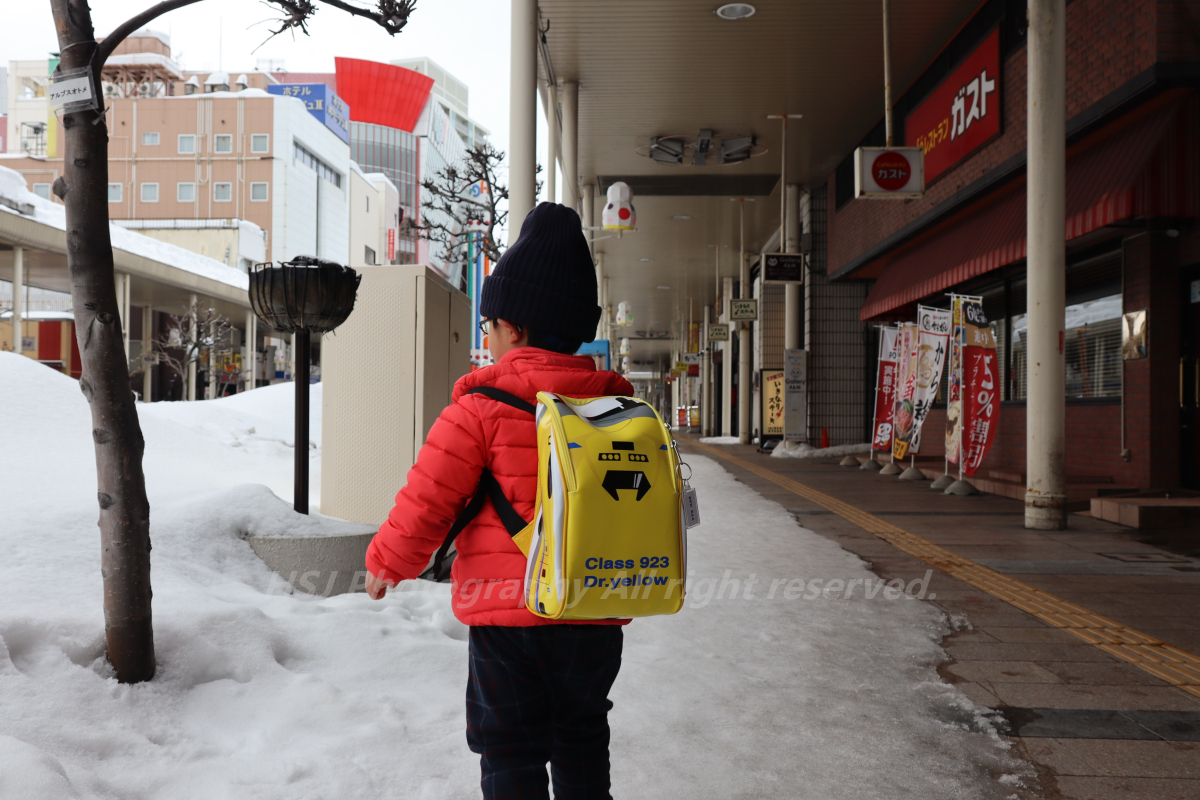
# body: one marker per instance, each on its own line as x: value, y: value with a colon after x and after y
x: 546, y: 280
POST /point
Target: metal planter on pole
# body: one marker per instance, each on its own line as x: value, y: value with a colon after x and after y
x: 303, y: 296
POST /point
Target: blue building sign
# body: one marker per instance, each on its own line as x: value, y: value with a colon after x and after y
x: 321, y: 102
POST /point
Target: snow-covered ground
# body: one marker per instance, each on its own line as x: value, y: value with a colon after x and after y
x: 751, y: 692
x: 806, y: 450
x: 719, y: 440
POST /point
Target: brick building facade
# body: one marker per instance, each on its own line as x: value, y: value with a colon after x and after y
x: 1133, y: 196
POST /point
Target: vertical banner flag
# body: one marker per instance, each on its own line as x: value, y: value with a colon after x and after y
x: 954, y: 398
x: 772, y: 402
x: 933, y: 339
x: 902, y: 404
x: 981, y: 384
x: 885, y: 388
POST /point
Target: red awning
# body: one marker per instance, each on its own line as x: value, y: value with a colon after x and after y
x: 382, y: 93
x: 1148, y: 168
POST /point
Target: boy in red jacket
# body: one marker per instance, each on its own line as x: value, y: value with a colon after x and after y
x: 538, y: 689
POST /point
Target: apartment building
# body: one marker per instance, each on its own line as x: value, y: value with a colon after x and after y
x: 374, y: 218
x: 245, y: 155
x: 27, y: 107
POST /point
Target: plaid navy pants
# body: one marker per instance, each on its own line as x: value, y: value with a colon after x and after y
x: 538, y: 695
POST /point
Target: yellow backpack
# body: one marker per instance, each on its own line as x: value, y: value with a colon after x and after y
x: 608, y: 539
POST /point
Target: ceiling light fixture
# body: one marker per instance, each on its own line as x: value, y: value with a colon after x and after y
x: 682, y: 216
x: 664, y: 288
x: 695, y: 151
x: 645, y: 259
x: 734, y: 150
x: 668, y: 150
x: 735, y: 11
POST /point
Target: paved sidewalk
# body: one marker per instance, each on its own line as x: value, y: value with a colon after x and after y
x: 1095, y: 726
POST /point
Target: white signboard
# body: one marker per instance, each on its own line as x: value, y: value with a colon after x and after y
x: 889, y: 172
x: 71, y: 90
x: 743, y: 310
x: 718, y: 333
x: 795, y: 396
x: 691, y: 358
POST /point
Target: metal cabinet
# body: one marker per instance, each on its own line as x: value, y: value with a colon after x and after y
x: 387, y: 373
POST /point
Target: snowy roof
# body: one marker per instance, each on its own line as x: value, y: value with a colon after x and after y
x: 379, y: 177
x: 149, y: 33
x: 146, y: 59
x: 242, y: 93
x: 41, y: 316
x: 12, y: 187
x: 217, y: 79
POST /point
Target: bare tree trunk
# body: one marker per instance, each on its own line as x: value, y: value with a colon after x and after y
x: 124, y: 510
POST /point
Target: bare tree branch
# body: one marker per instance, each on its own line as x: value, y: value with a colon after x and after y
x: 391, y: 15
x: 135, y: 23
x: 466, y: 204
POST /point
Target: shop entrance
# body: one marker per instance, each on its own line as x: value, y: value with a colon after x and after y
x: 1189, y: 377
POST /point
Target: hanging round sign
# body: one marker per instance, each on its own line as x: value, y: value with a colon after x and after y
x: 891, y: 170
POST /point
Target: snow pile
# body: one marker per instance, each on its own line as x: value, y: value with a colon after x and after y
x: 719, y: 440
x: 806, y: 450
x: 47, y: 212
x: 751, y: 691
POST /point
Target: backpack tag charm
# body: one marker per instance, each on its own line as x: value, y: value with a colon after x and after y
x: 691, y: 507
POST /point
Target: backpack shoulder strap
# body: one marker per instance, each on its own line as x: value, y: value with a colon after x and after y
x: 501, y: 396
x: 489, y: 488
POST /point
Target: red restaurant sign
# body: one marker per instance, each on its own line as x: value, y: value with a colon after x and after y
x: 962, y: 113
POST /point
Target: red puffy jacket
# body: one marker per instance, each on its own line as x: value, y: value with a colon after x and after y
x: 472, y: 433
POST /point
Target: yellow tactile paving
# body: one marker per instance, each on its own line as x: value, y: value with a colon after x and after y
x: 1164, y: 661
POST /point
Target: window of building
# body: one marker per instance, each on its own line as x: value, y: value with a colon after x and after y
x: 149, y: 192
x: 260, y: 143
x: 1092, y: 348
x: 150, y: 139
x: 42, y: 190
x: 187, y: 143
x: 369, y: 255
x: 259, y: 192
x: 185, y: 192
x: 114, y: 193
x: 1092, y: 338
x: 302, y: 154
x: 222, y: 192
x: 223, y: 143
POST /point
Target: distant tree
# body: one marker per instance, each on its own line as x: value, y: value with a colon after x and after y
x: 198, y: 331
x: 83, y: 187
x: 467, y: 203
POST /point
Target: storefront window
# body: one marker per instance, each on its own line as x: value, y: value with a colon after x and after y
x: 1092, y: 347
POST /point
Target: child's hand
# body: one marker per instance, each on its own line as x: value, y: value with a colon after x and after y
x: 377, y: 587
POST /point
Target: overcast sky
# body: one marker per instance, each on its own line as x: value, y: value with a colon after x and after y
x: 467, y: 37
